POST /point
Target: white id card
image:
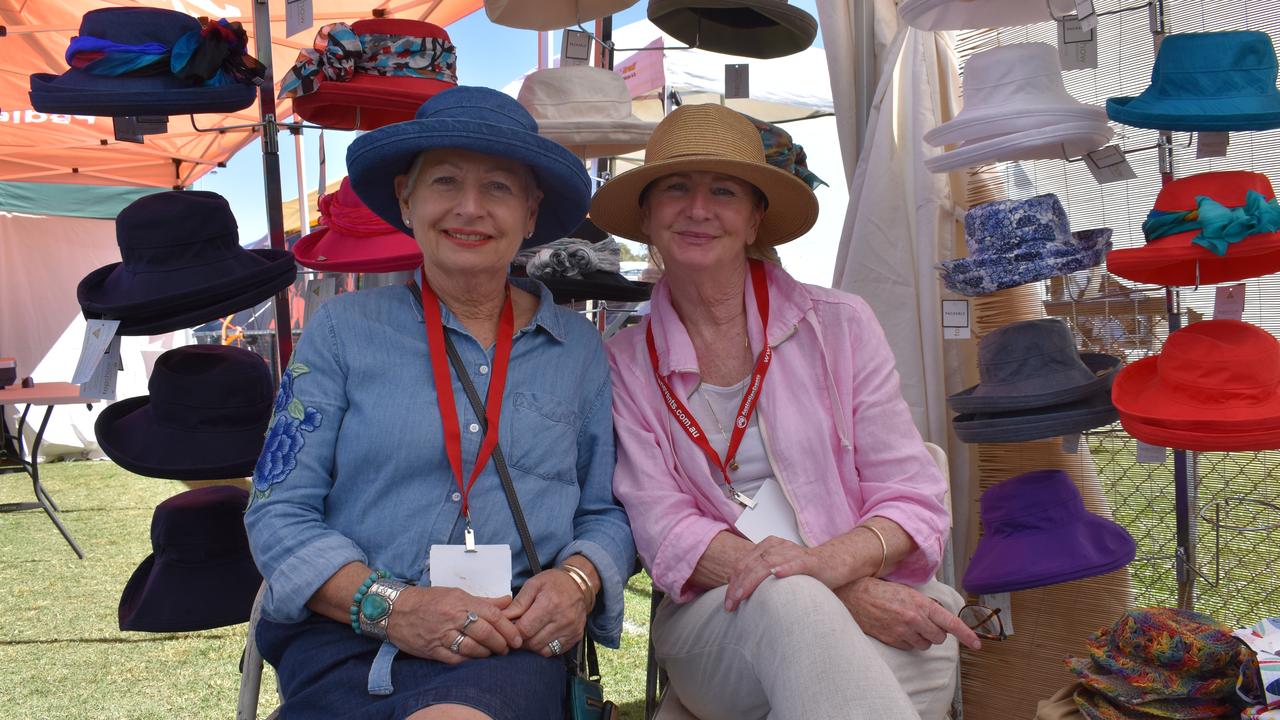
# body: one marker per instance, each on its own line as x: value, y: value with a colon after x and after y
x: 772, y: 515
x: 483, y: 573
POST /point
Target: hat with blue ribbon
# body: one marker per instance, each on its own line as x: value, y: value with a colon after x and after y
x: 1205, y: 229
x: 370, y: 73
x: 149, y: 61
x: 1217, y: 82
x: 1014, y: 242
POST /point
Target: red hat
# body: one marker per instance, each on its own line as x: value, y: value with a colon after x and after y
x: 352, y: 239
x: 1214, y: 387
x: 1175, y: 260
x: 379, y: 71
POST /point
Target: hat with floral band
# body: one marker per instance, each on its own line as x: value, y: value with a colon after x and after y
x: 352, y: 239
x: 1014, y: 242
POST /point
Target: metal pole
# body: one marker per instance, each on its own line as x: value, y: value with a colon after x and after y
x: 865, y: 69
x: 271, y: 171
x: 300, y: 166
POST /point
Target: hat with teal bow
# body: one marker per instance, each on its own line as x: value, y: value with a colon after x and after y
x: 1205, y: 229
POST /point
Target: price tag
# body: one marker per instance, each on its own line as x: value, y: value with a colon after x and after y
x: 1085, y: 11
x: 102, y: 384
x: 575, y: 48
x: 1071, y: 443
x: 318, y: 290
x: 1109, y: 164
x: 97, y: 341
x: 1150, y: 454
x: 955, y: 320
x: 298, y: 16
x: 737, y: 80
x: 1228, y: 302
x: 1004, y: 603
x: 1077, y: 45
x: 1212, y: 144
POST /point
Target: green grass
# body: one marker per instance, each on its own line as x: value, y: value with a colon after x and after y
x: 61, y: 649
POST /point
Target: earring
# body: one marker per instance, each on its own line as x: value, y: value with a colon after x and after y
x: 407, y: 221
x: 528, y: 235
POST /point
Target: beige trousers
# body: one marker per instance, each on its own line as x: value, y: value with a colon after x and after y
x: 792, y: 650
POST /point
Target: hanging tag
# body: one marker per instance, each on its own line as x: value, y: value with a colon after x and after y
x: 1109, y: 164
x: 297, y: 16
x: 1150, y: 454
x: 101, y: 384
x: 97, y: 340
x: 955, y: 320
x: 1077, y: 45
x: 1071, y: 443
x: 1228, y: 302
x: 575, y: 48
x: 1004, y: 603
x: 772, y: 515
x: 1212, y: 144
x: 483, y: 571
x: 318, y: 290
x: 469, y: 537
x: 739, y: 498
x: 1085, y: 11
x: 737, y: 81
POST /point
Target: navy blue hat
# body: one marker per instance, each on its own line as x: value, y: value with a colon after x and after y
x: 200, y: 574
x: 182, y: 265
x: 205, y: 418
x: 81, y: 92
x: 481, y: 120
x: 1213, y: 82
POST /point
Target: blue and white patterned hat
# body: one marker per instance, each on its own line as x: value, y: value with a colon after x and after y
x: 1014, y: 242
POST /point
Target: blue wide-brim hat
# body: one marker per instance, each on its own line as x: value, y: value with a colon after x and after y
x: 78, y: 92
x: 976, y: 276
x: 1214, y: 82
x: 481, y: 120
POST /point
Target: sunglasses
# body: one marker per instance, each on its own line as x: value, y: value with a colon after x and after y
x: 985, y: 622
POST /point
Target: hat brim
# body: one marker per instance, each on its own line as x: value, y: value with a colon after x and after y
x: 1004, y: 563
x: 1007, y: 119
x: 987, y: 398
x: 1098, y: 701
x: 598, y: 138
x: 367, y: 102
x: 1036, y: 423
x: 983, y: 275
x: 113, y: 290
x: 165, y: 596
x: 377, y: 157
x: 792, y: 211
x: 597, y: 285
x: 332, y: 250
x: 1139, y: 393
x: 77, y: 92
x: 746, y: 28
x: 1260, y: 112
x: 1045, y: 143
x: 1175, y: 260
x: 129, y: 435
x: 966, y: 15
x: 1202, y: 440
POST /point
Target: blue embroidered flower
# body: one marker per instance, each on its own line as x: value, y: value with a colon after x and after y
x: 285, y: 437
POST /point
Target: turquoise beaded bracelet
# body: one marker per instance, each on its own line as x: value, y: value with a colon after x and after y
x: 356, y: 599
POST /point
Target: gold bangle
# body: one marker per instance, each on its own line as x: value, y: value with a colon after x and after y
x: 884, y: 550
x: 584, y: 584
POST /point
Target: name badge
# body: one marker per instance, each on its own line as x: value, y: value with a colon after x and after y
x: 483, y: 572
x: 771, y: 515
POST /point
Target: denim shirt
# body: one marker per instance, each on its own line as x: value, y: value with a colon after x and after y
x: 354, y: 466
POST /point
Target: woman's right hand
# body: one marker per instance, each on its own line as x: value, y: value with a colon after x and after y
x: 902, y: 617
x: 426, y: 621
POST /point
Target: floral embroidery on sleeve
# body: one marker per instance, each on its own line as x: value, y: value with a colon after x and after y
x: 285, y: 436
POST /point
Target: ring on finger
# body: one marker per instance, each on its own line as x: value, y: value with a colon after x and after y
x: 471, y: 617
x: 457, y: 643
x: 555, y: 646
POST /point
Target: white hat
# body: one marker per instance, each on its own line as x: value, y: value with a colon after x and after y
x: 1054, y: 141
x: 586, y: 109
x: 1012, y: 89
x: 978, y: 14
x: 551, y: 14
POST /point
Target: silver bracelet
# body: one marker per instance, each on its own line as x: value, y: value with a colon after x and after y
x: 376, y: 607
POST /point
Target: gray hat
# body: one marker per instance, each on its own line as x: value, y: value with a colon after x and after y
x: 1070, y: 418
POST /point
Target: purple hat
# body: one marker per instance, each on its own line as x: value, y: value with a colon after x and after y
x: 200, y: 574
x: 1037, y: 532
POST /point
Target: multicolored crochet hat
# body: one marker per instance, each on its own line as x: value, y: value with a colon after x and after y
x: 1097, y: 706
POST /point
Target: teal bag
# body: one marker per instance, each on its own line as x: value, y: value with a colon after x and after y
x: 586, y: 695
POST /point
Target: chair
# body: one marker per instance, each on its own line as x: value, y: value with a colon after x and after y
x: 251, y: 667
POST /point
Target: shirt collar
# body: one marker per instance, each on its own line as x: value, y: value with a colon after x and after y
x: 546, y: 317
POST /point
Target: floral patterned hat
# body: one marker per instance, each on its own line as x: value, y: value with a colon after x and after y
x: 1014, y: 242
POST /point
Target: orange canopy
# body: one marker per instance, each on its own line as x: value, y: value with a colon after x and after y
x: 37, y: 147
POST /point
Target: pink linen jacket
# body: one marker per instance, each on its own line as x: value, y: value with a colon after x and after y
x: 835, y: 426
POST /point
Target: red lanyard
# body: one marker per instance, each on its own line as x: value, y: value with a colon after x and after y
x: 444, y: 393
x: 749, y: 398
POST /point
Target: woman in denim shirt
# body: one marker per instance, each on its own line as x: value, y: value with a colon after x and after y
x: 359, y: 478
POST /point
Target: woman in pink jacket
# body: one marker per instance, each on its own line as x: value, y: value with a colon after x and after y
x: 779, y: 492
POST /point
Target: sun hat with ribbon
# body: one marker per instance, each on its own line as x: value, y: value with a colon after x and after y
x: 1212, y: 82
x: 481, y: 120
x: 370, y: 73
x: 586, y: 109
x: 551, y: 14
x: 1215, y: 386
x: 200, y: 574
x: 1209, y: 228
x: 1014, y: 242
x: 708, y: 138
x: 204, y: 418
x: 352, y: 239
x: 150, y: 61
x: 980, y: 14
x: 1036, y: 532
x: 746, y: 28
x: 181, y: 265
x: 1033, y: 364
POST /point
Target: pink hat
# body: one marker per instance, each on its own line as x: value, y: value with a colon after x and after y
x: 352, y: 239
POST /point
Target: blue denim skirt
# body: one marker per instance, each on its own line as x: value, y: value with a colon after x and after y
x: 323, y: 670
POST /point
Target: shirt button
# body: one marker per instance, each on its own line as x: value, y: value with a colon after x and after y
x: 456, y: 496
x: 474, y: 427
x: 484, y: 369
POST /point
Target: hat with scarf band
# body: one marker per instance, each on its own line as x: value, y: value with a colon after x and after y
x: 151, y: 61
x: 370, y: 73
x: 352, y: 239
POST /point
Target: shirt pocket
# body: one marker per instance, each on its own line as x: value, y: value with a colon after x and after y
x: 544, y: 437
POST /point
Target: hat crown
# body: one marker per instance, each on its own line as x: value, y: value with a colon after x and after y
x: 576, y: 93
x: 705, y: 131
x: 344, y: 210
x: 1190, y: 642
x: 1229, y: 188
x: 399, y: 26
x: 1037, y: 500
x: 477, y: 104
x: 1017, y: 226
x: 1213, y: 362
x: 1027, y: 350
x: 201, y: 525
x: 138, y: 25
x: 176, y: 229
x: 210, y: 388
x: 1028, y: 74
x: 1214, y: 65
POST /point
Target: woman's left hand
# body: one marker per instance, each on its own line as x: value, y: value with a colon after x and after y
x: 782, y: 558
x: 549, y: 607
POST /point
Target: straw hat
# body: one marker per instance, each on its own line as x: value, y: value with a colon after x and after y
x: 708, y: 138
